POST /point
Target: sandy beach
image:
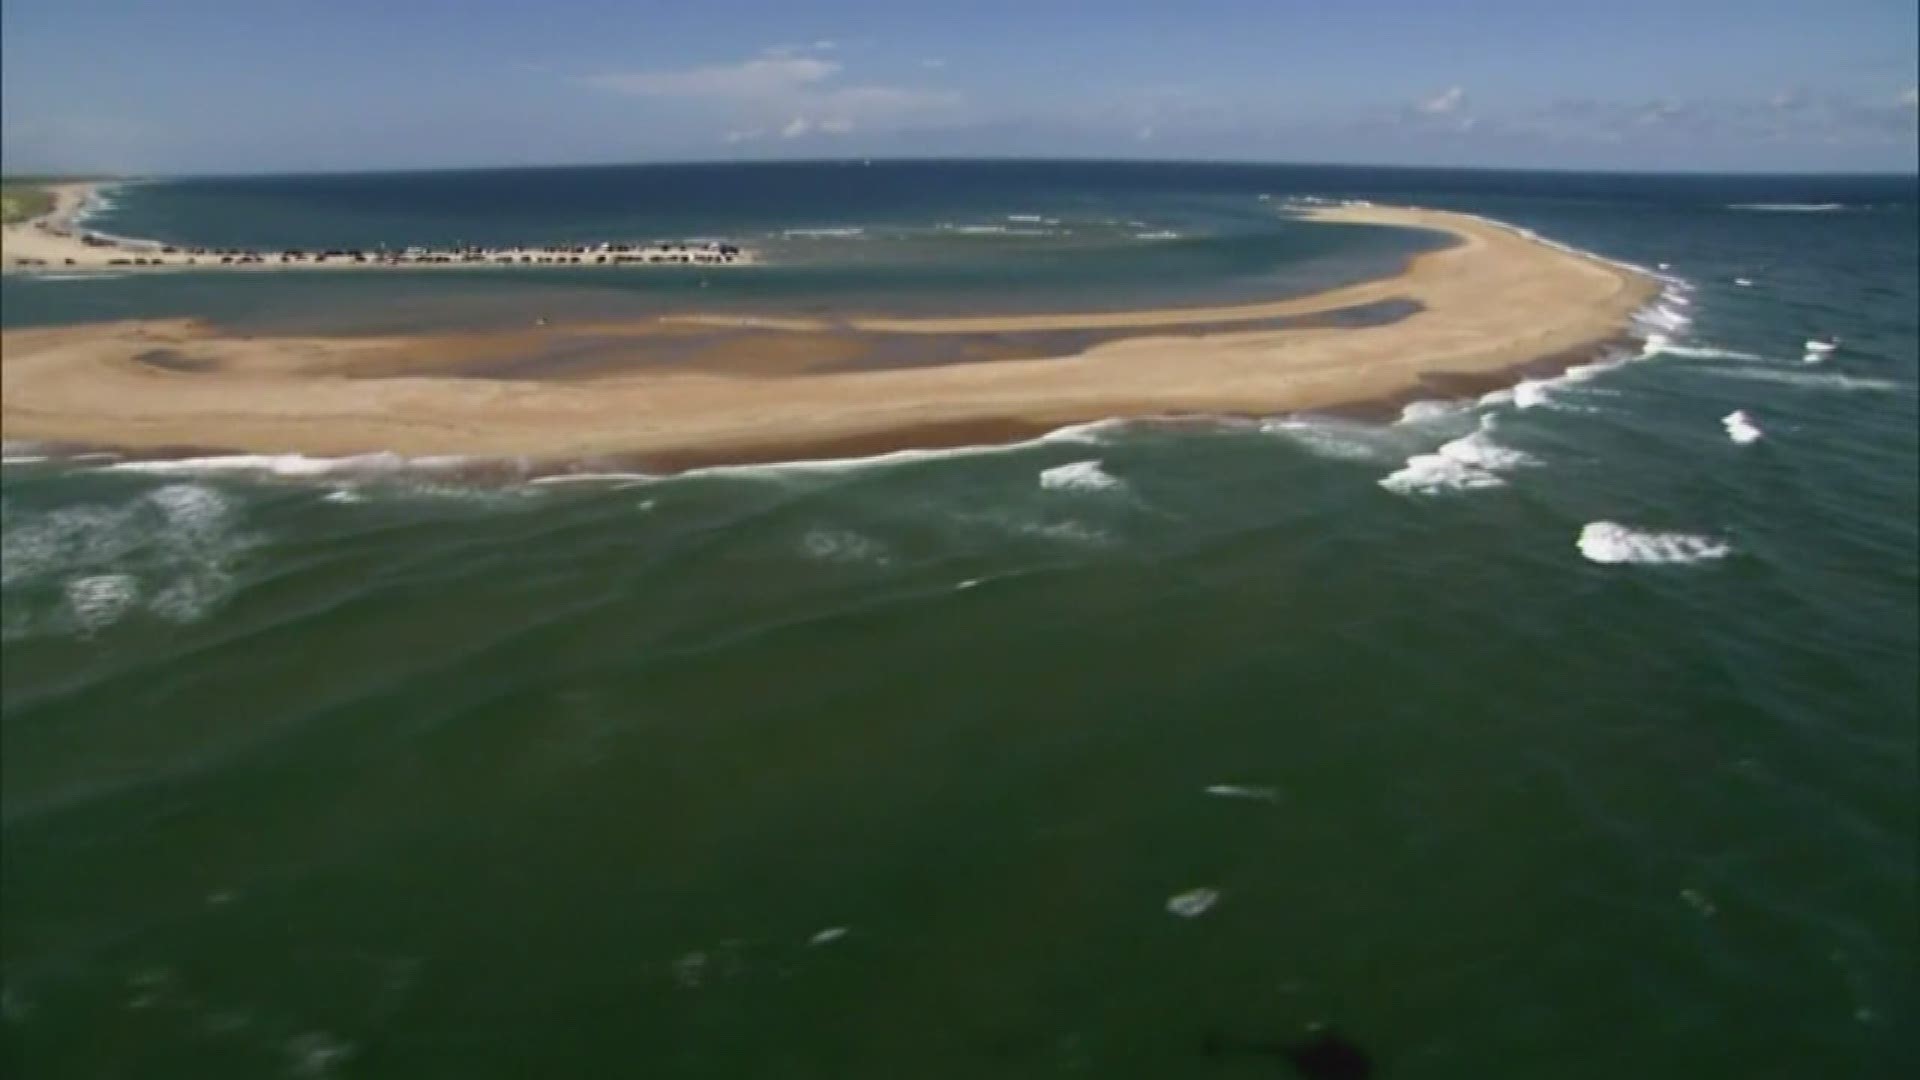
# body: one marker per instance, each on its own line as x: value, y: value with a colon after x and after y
x: 693, y: 388
x: 57, y: 241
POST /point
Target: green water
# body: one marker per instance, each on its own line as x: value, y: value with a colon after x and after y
x: 894, y: 768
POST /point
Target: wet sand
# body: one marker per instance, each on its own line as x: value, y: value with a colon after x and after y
x: 697, y: 389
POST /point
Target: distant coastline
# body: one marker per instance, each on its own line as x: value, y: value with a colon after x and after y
x: 1495, y: 303
x: 57, y: 241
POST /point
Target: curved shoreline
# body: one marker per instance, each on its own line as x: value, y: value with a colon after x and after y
x: 1490, y: 305
x: 57, y: 242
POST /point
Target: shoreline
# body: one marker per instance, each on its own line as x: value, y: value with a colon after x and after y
x: 1492, y: 308
x: 57, y: 242
x: 984, y: 436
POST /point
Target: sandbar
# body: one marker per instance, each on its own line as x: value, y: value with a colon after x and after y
x: 1481, y: 310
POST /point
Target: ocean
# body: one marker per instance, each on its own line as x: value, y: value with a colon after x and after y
x: 1567, y: 730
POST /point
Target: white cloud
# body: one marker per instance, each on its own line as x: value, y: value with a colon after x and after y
x: 748, y: 135
x: 1145, y: 134
x: 933, y: 64
x: 1911, y: 97
x: 1445, y: 103
x: 795, y: 95
x: 799, y: 48
x: 749, y: 79
x: 800, y: 127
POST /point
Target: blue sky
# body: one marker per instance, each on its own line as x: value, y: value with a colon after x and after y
x: 197, y: 86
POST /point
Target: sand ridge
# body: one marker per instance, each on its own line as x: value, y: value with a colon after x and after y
x: 1489, y: 304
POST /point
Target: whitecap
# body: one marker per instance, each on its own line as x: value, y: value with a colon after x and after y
x: 1664, y: 316
x: 1193, y: 903
x: 1789, y: 208
x: 835, y: 232
x: 1068, y: 532
x: 828, y: 936
x: 594, y: 478
x: 1612, y: 543
x: 1530, y: 394
x: 1079, y: 476
x: 1472, y: 462
x: 1740, y: 427
x: 1432, y: 474
x: 1808, y: 380
x: 1743, y: 282
x: 1252, y: 792
x: 1091, y: 433
x: 1415, y: 412
x: 1701, y: 352
x: 1328, y: 437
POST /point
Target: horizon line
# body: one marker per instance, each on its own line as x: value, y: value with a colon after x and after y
x: 79, y: 176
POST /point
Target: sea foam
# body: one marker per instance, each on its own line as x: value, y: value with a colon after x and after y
x: 1612, y: 543
x: 287, y: 465
x: 1472, y: 462
x: 1337, y: 439
x: 1193, y: 903
x: 170, y: 551
x: 1079, y: 476
x: 1788, y: 208
x: 1703, y: 352
x: 1807, y: 380
x: 1740, y: 427
x: 843, y: 546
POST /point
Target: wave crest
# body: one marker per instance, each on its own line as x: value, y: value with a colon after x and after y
x: 1612, y: 543
x: 1079, y: 476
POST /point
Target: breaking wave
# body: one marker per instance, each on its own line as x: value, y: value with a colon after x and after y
x: 1612, y: 543
x: 1079, y: 476
x: 1471, y: 462
x: 1340, y: 440
x: 1809, y: 380
x: 1788, y: 207
x: 1740, y: 427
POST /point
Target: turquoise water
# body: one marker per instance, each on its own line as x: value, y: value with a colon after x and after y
x: 897, y: 767
x: 899, y: 237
